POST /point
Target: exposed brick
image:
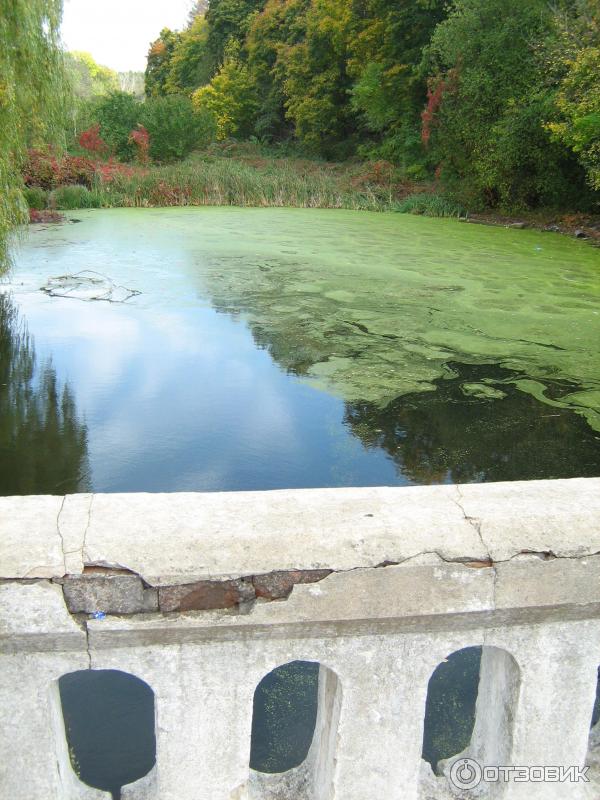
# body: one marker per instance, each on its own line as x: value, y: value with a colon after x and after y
x: 278, y: 585
x: 205, y: 595
x: 113, y: 594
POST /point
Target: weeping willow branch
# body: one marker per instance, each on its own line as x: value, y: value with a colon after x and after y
x: 33, y: 96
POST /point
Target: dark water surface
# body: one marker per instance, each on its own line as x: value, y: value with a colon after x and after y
x: 280, y: 348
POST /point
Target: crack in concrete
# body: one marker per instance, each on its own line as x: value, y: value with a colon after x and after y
x: 88, y: 650
x: 104, y: 569
x: 545, y: 555
x: 87, y: 527
x: 472, y: 521
x: 61, y: 537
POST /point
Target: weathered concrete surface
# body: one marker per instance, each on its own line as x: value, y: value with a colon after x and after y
x: 559, y: 517
x: 30, y: 545
x: 205, y: 594
x: 216, y: 536
x: 33, y: 617
x: 183, y: 538
x: 411, y: 597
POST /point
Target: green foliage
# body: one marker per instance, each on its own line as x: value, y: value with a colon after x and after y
x: 576, y: 122
x: 159, y: 62
x: 389, y: 91
x: 88, y: 78
x: 66, y: 198
x: 88, y: 82
x: 118, y: 114
x: 500, y: 97
x: 488, y: 134
x: 317, y: 81
x: 190, y: 65
x: 229, y: 99
x: 271, y: 33
x: 430, y: 205
x: 32, y: 95
x: 35, y: 197
x: 228, y: 23
x: 173, y: 126
x: 368, y: 96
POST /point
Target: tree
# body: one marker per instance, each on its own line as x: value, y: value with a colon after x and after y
x: 88, y: 78
x: 230, y: 98
x: 278, y: 27
x: 89, y: 81
x: 316, y: 79
x: 173, y: 127
x: 33, y: 94
x: 488, y: 100
x: 132, y: 82
x: 118, y: 114
x: 190, y: 64
x: 389, y: 91
x: 159, y: 62
x: 198, y: 9
x: 576, y: 54
x: 228, y: 22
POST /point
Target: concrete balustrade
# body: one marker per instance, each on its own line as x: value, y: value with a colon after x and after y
x: 205, y: 594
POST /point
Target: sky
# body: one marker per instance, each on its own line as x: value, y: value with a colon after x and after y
x: 118, y: 32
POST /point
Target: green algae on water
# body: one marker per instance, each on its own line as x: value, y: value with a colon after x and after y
x: 373, y: 307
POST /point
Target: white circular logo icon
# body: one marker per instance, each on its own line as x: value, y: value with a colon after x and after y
x: 466, y: 773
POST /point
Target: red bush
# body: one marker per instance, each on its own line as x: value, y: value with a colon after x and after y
x: 45, y: 170
x: 141, y: 139
x: 76, y: 169
x: 91, y: 140
x: 41, y: 169
x: 110, y: 169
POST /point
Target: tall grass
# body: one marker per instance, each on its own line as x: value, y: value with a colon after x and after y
x: 430, y: 205
x: 250, y: 178
x: 228, y: 182
x: 75, y: 196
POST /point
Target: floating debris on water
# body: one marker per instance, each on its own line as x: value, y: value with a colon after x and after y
x: 88, y: 285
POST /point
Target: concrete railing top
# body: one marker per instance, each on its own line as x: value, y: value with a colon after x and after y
x: 185, y: 537
x: 342, y: 559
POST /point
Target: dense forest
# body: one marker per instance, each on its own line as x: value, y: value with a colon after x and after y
x: 479, y: 104
x: 499, y: 98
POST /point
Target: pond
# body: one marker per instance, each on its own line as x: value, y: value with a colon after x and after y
x: 281, y: 348
x: 240, y: 349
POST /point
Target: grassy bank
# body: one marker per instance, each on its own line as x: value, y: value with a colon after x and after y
x: 242, y: 175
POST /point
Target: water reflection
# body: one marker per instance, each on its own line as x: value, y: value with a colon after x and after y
x: 477, y: 426
x: 43, y: 443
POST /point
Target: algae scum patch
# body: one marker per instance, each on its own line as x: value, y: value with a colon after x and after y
x: 288, y: 348
x: 374, y: 307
